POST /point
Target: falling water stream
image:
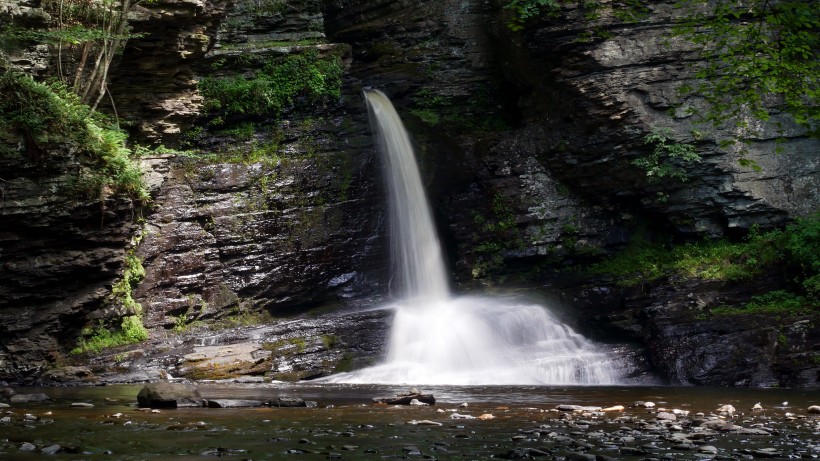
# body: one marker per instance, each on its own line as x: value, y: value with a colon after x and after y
x: 437, y: 338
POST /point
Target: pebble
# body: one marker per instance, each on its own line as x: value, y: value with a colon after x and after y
x: 486, y: 416
x: 664, y: 416
x: 460, y: 416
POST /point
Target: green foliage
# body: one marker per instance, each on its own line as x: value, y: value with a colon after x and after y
x: 437, y: 110
x: 523, y: 10
x: 778, y: 302
x: 793, y: 249
x: 758, y: 55
x: 803, y: 249
x: 665, y: 157
x: 95, y: 340
x: 275, y: 87
x: 49, y: 119
x: 644, y: 261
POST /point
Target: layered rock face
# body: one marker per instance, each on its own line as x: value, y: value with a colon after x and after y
x: 554, y: 184
x: 526, y: 142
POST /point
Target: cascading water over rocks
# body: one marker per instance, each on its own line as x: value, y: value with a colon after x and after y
x: 437, y: 338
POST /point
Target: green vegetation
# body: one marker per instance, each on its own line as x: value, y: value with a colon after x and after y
x: 437, y: 110
x: 100, y: 338
x: 778, y: 302
x: 275, y: 87
x: 49, y: 119
x: 794, y: 249
x: 757, y: 54
x: 131, y: 329
x: 500, y: 233
x: 92, y: 33
x: 666, y: 156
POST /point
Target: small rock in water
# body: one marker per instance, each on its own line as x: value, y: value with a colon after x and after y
x: 486, y: 416
x: 641, y: 403
x: 708, y: 449
x: 423, y: 422
x: 726, y: 409
x: 25, y: 446
x: 416, y: 402
x: 463, y: 405
x: 460, y: 416
x: 757, y: 407
x: 814, y: 409
x: 665, y: 416
x: 51, y: 449
x: 82, y: 405
x: 614, y: 408
x: 4, y: 405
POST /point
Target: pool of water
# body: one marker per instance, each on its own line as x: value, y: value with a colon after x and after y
x: 347, y: 425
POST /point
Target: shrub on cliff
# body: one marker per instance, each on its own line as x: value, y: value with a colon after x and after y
x: 50, y: 123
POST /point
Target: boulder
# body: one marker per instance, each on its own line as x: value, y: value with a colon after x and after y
x: 169, y: 395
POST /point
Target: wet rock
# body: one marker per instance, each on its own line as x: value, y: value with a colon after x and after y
x: 68, y: 374
x: 234, y: 403
x: 51, y: 449
x: 642, y: 404
x: 288, y: 402
x: 28, y: 398
x: 666, y: 416
x: 423, y: 422
x: 406, y: 399
x: 169, y: 395
x: 815, y: 409
x: 82, y: 405
x: 708, y: 449
x: 726, y: 409
x: 6, y: 392
x: 564, y: 407
x: 575, y: 456
x: 613, y: 408
x: 767, y: 453
x: 26, y: 446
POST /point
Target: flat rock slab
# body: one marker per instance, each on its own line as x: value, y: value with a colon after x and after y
x: 228, y: 354
x: 27, y: 398
x: 169, y: 395
x: 406, y: 399
x: 234, y: 403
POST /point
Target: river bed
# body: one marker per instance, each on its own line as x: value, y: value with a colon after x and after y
x: 345, y: 424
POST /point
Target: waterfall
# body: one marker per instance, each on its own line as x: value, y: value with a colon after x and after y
x: 439, y: 339
x: 415, y: 251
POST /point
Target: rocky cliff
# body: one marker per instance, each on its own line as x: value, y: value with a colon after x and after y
x: 527, y: 140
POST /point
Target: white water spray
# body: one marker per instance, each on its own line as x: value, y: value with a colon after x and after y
x: 437, y: 339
